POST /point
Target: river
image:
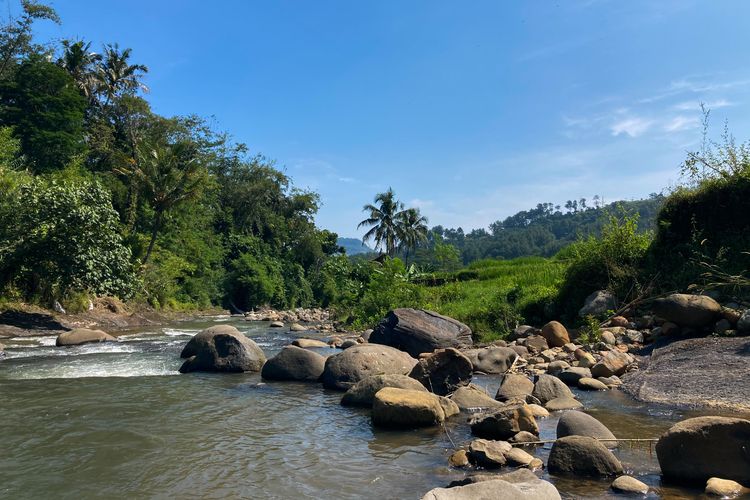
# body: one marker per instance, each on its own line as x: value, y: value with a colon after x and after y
x: 116, y: 420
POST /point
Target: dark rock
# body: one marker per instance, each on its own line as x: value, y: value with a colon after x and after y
x: 696, y: 449
x: 492, y: 359
x: 548, y: 388
x: 443, y: 371
x: 488, y: 454
x: 294, y: 363
x: 598, y: 303
x: 504, y: 423
x: 416, y: 331
x: 582, y: 456
x: 222, y: 348
x: 572, y: 375
x: 345, y: 369
x: 536, y: 344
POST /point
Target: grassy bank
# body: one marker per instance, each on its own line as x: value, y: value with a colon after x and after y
x: 495, y: 295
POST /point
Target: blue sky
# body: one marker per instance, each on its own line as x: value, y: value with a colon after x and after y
x: 470, y: 110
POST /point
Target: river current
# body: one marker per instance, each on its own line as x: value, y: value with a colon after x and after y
x: 117, y: 420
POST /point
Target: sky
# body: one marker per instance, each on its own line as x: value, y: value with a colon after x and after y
x: 470, y: 111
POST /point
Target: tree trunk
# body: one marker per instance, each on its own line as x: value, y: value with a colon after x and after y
x: 154, y: 232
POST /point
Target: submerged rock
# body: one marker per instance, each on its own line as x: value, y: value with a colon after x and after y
x: 416, y: 331
x: 79, y: 336
x: 345, y: 369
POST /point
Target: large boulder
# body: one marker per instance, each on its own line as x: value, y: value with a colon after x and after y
x: 472, y: 397
x: 514, y: 387
x: 612, y: 363
x: 693, y: 311
x: 504, y: 423
x: 416, y: 331
x: 406, y: 409
x: 222, y: 348
x: 345, y: 369
x: 582, y: 456
x: 79, y: 336
x: 555, y: 334
x: 577, y: 423
x: 363, y: 392
x: 492, y: 359
x: 294, y: 363
x: 696, y: 449
x: 598, y: 303
x: 443, y: 371
x: 548, y: 388
x: 497, y: 489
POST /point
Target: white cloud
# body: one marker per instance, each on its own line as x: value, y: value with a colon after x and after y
x: 679, y: 123
x: 696, y: 105
x: 632, y: 127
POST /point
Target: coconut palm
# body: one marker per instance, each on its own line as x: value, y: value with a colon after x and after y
x: 116, y: 75
x: 81, y: 63
x: 169, y: 175
x: 412, y: 230
x: 383, y: 220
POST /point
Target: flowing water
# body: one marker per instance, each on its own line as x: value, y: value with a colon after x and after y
x: 116, y: 420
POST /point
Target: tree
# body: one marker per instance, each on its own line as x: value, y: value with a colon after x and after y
x: 16, y: 35
x: 44, y: 106
x: 117, y: 76
x: 169, y: 175
x: 383, y: 221
x: 412, y: 230
x: 82, y: 65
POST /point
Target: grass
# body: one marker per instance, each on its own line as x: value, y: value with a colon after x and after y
x: 504, y: 294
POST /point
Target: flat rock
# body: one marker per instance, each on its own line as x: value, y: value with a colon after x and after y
x: 308, y: 343
x: 497, y: 489
x: 472, y: 397
x: 405, y: 409
x: 79, y: 336
x: 363, y: 392
x: 416, y: 331
x: 563, y: 403
x: 591, y: 384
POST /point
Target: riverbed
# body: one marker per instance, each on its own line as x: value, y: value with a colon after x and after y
x: 117, y: 420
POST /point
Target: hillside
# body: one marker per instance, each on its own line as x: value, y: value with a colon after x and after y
x: 353, y: 246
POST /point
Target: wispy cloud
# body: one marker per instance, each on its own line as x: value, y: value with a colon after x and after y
x: 681, y: 122
x: 690, y: 85
x: 696, y: 105
x: 632, y: 127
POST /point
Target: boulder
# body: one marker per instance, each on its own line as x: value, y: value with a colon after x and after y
x: 536, y: 344
x: 459, y: 458
x: 345, y: 369
x: 538, y: 411
x: 504, y: 423
x: 743, y: 324
x: 363, y: 392
x: 577, y: 423
x: 443, y: 371
x: 563, y: 403
x: 276, y: 324
x: 548, y: 388
x: 725, y: 488
x: 555, y: 334
x: 497, y: 489
x: 619, y: 321
x: 79, y: 336
x: 514, y: 387
x: 572, y: 375
x: 488, y: 454
x: 517, y: 457
x: 471, y: 397
x: 582, y: 456
x: 406, y: 409
x: 222, y: 348
x: 296, y: 327
x: 629, y: 484
x: 692, y: 311
x: 556, y: 367
x: 612, y: 363
x: 608, y: 337
x: 294, y: 363
x: 492, y: 359
x: 696, y: 449
x: 416, y: 331
x: 598, y: 303
x: 308, y: 343
x: 591, y: 384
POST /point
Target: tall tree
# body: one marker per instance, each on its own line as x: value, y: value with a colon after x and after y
x: 383, y: 221
x: 16, y: 36
x: 117, y: 76
x: 82, y: 64
x: 412, y: 230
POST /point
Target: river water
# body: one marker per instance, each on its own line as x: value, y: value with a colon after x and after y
x: 116, y: 420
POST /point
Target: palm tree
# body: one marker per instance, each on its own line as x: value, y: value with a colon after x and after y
x: 116, y: 75
x: 82, y: 64
x: 412, y: 230
x: 383, y: 220
x: 169, y: 175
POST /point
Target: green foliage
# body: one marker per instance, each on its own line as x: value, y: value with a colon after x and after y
x: 590, y: 332
x: 44, y: 106
x: 60, y: 236
x: 613, y: 262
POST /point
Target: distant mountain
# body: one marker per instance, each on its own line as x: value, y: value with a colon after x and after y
x: 353, y: 246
